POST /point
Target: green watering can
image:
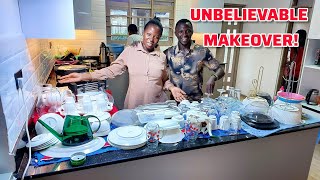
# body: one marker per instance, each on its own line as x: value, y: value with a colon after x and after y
x: 76, y: 130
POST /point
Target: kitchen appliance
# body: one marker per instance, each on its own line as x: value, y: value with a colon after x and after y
x: 90, y: 62
x: 311, y: 97
x: 256, y: 114
x: 104, y: 54
x: 266, y: 96
x: 68, y: 69
x: 76, y: 130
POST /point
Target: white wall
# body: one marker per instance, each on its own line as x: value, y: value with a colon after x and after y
x: 88, y: 40
x: 17, y: 53
x: 250, y: 59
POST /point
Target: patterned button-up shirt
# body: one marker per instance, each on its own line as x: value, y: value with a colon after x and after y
x: 186, y: 68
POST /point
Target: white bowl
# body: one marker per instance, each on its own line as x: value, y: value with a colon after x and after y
x: 281, y: 113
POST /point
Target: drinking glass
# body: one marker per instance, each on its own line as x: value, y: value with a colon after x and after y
x: 153, y: 135
x: 192, y: 129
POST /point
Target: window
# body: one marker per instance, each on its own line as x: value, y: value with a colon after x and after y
x: 121, y: 13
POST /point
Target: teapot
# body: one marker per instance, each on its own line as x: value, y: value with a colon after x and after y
x: 76, y: 130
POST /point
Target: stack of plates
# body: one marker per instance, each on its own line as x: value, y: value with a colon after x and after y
x: 128, y: 137
x: 42, y: 141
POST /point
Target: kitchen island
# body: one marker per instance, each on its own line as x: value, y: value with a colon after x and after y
x: 286, y: 154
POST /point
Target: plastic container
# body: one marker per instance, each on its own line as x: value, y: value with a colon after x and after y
x: 115, y: 48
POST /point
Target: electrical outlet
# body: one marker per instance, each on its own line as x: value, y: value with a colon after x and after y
x: 16, y: 76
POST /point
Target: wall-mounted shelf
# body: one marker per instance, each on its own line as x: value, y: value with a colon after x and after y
x: 311, y: 107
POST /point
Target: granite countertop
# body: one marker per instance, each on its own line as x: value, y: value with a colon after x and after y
x: 114, y: 157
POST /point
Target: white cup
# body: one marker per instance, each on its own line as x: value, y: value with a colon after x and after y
x: 70, y: 99
x: 213, y: 122
x: 224, y: 123
x: 70, y: 108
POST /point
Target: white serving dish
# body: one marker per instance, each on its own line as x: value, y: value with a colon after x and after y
x: 59, y: 150
x: 127, y: 147
x: 128, y: 136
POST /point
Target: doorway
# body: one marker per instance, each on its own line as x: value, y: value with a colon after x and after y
x: 230, y: 55
x: 292, y: 27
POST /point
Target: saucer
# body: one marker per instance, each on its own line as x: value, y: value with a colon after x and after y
x: 55, y: 121
x: 172, y: 136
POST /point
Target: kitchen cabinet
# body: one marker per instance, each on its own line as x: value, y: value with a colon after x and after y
x: 54, y: 19
x: 47, y: 19
x: 315, y: 26
x: 82, y: 14
x: 310, y: 72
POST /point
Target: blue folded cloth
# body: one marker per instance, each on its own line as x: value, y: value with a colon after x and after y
x: 262, y: 133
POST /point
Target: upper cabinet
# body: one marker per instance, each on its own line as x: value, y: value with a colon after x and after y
x: 47, y: 18
x: 54, y: 19
x: 314, y: 32
x: 82, y: 14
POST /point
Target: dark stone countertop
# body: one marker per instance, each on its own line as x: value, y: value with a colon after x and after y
x: 120, y: 156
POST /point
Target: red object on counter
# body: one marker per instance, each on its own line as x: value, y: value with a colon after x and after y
x: 35, y: 115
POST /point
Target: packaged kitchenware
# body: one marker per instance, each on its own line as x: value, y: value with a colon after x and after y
x: 76, y: 130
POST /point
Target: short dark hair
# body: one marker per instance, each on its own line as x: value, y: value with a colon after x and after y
x: 133, y: 29
x: 302, y: 37
x: 155, y: 21
x: 184, y: 21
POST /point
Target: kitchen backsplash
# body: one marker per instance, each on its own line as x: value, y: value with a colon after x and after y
x: 88, y: 40
x: 32, y: 56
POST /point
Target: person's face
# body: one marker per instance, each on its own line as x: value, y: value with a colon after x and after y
x: 184, y: 32
x: 151, y: 37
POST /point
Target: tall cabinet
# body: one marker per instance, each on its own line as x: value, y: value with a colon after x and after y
x: 310, y: 76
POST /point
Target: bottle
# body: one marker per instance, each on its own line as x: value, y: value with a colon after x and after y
x: 104, y: 57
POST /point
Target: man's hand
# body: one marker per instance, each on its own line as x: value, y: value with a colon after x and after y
x: 210, y: 85
x: 178, y: 94
x: 73, y: 77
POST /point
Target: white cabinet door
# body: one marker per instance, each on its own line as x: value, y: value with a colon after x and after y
x: 82, y: 14
x: 314, y: 32
x: 47, y: 19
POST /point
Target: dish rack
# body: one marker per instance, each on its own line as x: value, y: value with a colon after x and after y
x: 88, y: 86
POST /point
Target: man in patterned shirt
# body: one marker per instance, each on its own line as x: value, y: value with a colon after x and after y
x: 186, y: 61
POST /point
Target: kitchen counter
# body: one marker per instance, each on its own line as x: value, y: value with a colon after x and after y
x: 286, y: 154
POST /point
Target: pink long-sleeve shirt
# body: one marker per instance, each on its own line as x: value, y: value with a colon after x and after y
x: 148, y: 77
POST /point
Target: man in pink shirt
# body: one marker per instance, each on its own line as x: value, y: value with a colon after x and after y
x: 148, y: 77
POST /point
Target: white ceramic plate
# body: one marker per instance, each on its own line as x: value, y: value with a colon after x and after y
x: 55, y: 121
x: 59, y: 150
x: 127, y: 147
x: 128, y: 136
x: 39, y: 140
x: 172, y: 136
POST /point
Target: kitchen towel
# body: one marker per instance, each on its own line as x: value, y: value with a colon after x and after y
x: 40, y: 160
x: 309, y: 119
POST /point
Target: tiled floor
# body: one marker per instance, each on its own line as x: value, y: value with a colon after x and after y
x: 314, y: 173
